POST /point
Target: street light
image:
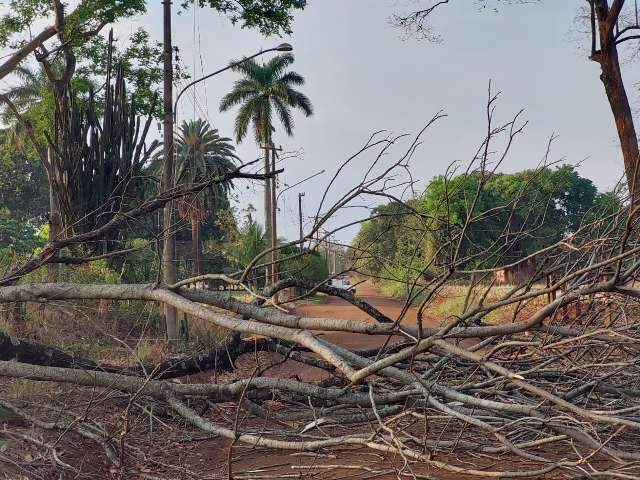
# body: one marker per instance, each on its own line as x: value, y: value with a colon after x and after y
x: 283, y: 47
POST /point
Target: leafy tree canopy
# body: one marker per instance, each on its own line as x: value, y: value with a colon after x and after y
x: 511, y: 216
x: 270, y: 17
x: 87, y: 16
x: 141, y: 57
x: 141, y: 61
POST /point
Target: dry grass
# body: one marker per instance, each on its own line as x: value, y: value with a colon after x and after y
x: 117, y: 333
x: 29, y: 390
x: 450, y: 304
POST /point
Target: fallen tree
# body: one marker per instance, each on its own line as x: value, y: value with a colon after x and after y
x: 555, y: 385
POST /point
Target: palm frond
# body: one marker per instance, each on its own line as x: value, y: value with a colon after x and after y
x: 300, y: 101
x: 250, y: 68
x: 277, y: 65
x: 292, y: 79
x: 242, y: 91
x: 201, y: 154
x: 285, y: 116
x: 262, y: 89
x: 245, y: 116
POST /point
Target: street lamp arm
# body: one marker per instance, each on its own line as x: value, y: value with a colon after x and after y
x: 280, y: 48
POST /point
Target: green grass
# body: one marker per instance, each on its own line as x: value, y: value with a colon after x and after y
x: 453, y: 303
x: 452, y: 307
x: 314, y: 299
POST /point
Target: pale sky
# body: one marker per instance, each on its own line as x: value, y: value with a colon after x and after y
x: 362, y: 77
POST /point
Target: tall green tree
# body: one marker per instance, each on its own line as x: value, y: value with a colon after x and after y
x: 264, y: 91
x: 454, y: 222
x: 201, y: 153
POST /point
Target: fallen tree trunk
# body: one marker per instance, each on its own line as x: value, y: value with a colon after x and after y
x: 219, y: 359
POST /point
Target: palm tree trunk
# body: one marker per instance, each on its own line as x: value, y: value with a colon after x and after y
x: 196, y: 246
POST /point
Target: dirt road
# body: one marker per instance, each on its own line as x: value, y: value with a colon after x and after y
x: 338, y: 463
x: 333, y: 307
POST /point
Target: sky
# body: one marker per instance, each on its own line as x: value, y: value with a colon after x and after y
x: 362, y: 77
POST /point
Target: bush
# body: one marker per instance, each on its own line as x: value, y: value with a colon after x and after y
x: 310, y: 266
x: 140, y: 266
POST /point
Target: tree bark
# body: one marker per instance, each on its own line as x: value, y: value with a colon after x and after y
x: 219, y: 359
x: 611, y: 77
x: 196, y: 246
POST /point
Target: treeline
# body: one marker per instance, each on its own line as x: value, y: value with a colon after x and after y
x: 72, y: 159
x: 475, y: 220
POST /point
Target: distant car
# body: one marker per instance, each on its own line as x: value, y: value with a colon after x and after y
x: 342, y: 283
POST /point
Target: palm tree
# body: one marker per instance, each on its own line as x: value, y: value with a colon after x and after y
x: 251, y: 241
x: 25, y: 96
x: 264, y: 89
x: 201, y: 154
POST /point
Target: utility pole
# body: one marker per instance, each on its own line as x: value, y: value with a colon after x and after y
x: 169, y: 274
x: 274, y: 216
x: 300, y: 195
x: 335, y: 253
x: 267, y: 205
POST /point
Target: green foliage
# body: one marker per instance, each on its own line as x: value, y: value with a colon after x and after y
x: 140, y: 266
x: 17, y: 237
x: 509, y: 216
x: 86, y: 16
x: 23, y: 184
x: 34, y: 98
x: 266, y: 90
x: 141, y: 61
x: 202, y: 154
x: 306, y: 265
x: 524, y: 212
x: 250, y: 241
x: 270, y: 17
x: 141, y: 58
x: 379, y: 239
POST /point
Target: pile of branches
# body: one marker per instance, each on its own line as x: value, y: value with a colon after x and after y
x: 553, y: 389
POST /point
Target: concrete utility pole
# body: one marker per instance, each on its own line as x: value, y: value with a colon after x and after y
x: 300, y: 195
x: 267, y: 206
x: 274, y: 216
x: 169, y: 274
x: 335, y: 255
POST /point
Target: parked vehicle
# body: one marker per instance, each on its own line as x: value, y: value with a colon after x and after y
x: 342, y: 283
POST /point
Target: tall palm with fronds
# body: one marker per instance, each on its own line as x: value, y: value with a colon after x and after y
x: 265, y: 91
x: 201, y: 154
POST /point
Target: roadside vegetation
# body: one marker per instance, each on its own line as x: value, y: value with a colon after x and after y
x: 153, y: 326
